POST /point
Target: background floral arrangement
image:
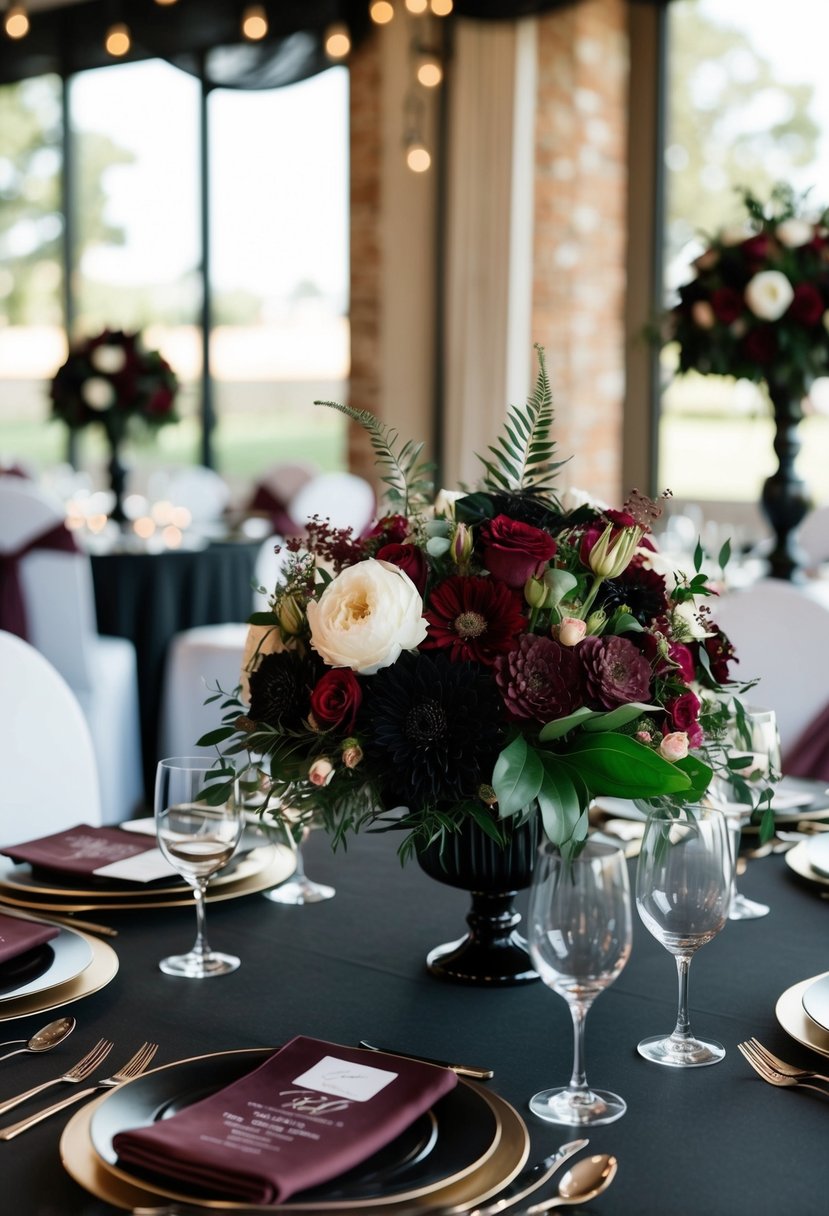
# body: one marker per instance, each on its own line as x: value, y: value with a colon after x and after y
x: 112, y: 379
x: 481, y: 656
x: 757, y: 308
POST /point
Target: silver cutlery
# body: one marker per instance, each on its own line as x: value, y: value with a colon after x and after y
x: 582, y: 1182
x: 78, y: 1072
x: 463, y: 1070
x: 69, y: 922
x: 137, y: 1064
x: 44, y: 1039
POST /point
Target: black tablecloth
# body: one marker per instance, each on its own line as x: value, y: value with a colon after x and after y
x: 716, y: 1141
x: 149, y: 597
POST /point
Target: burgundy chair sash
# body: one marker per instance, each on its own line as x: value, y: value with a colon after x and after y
x: 809, y: 756
x: 12, y: 606
x: 273, y: 506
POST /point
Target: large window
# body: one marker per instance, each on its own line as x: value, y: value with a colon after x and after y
x: 278, y: 198
x: 748, y: 99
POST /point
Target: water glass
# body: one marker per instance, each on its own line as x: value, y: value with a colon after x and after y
x: 579, y: 940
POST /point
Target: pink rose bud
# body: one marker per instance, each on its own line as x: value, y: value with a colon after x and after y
x: 321, y: 771
x: 462, y: 544
x: 644, y: 736
x: 674, y: 746
x: 352, y: 754
x: 571, y: 631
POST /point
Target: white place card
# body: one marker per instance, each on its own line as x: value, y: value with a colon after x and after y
x: 346, y: 1079
x: 143, y: 867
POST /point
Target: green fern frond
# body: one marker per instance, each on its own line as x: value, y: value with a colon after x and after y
x: 407, y: 478
x: 522, y: 458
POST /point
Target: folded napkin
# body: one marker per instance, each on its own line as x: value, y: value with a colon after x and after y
x: 20, y: 936
x: 78, y: 850
x: 310, y: 1112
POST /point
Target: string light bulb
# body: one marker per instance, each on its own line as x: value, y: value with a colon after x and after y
x: 429, y: 69
x: 418, y: 157
x: 381, y: 11
x: 16, y: 21
x: 337, y: 41
x: 165, y: 3
x: 417, y: 6
x: 254, y: 22
x: 442, y: 8
x: 117, y: 39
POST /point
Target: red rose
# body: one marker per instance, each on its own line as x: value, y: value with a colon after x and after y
x: 409, y: 559
x: 727, y: 304
x: 807, y: 306
x: 514, y: 550
x: 756, y: 249
x: 161, y: 402
x: 683, y: 714
x: 393, y: 529
x: 760, y: 344
x: 684, y: 659
x: 336, y: 698
x: 720, y: 653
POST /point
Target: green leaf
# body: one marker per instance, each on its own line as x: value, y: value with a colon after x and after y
x: 523, y: 456
x: 437, y: 546
x: 612, y: 719
x: 561, y: 726
x: 698, y: 773
x: 699, y: 556
x: 517, y: 776
x: 620, y: 767
x: 559, y: 800
x: 625, y: 622
x: 474, y: 508
x: 559, y: 583
x: 724, y: 556
x: 216, y: 736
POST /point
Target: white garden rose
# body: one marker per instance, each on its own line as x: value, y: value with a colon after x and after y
x: 98, y: 393
x: 366, y: 617
x: 769, y: 294
x: 108, y: 359
x: 794, y: 232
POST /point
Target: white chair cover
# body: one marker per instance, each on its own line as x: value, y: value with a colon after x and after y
x: 60, y: 622
x: 202, y: 491
x: 813, y: 536
x: 50, y: 777
x: 780, y: 632
x: 197, y: 660
x: 344, y: 498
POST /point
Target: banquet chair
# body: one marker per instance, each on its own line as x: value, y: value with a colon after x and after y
x: 50, y: 776
x: 276, y: 487
x: 813, y: 536
x: 58, y: 604
x: 204, y: 493
x: 347, y: 500
x: 780, y: 632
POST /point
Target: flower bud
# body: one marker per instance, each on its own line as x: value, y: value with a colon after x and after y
x: 644, y: 736
x: 321, y: 771
x: 352, y: 753
x: 609, y: 558
x: 596, y: 622
x: 290, y: 615
x: 571, y: 630
x: 462, y: 544
x: 674, y: 746
x: 535, y: 592
x: 487, y: 795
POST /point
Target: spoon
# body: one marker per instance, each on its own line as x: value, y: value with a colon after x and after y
x: 583, y: 1181
x: 46, y: 1038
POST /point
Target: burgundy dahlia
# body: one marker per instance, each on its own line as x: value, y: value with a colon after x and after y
x: 540, y: 679
x: 476, y: 619
x: 614, y: 672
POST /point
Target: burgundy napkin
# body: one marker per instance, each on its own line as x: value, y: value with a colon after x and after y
x: 79, y: 850
x: 310, y: 1112
x: 20, y: 936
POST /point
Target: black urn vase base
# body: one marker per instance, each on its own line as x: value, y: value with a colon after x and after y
x: 493, y: 954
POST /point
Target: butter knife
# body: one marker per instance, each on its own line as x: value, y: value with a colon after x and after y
x: 463, y: 1070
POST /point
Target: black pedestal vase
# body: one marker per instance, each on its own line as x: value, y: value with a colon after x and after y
x: 492, y: 954
x: 117, y: 481
x: 785, y: 499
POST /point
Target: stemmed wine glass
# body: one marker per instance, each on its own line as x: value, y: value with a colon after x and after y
x: 753, y: 753
x: 579, y: 939
x: 683, y: 889
x: 198, y: 836
x: 299, y: 888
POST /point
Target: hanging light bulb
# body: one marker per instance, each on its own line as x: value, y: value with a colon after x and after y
x: 381, y: 11
x: 117, y: 39
x: 442, y: 8
x: 417, y: 6
x: 254, y: 22
x: 16, y: 21
x: 429, y: 69
x: 165, y: 3
x: 337, y: 41
x: 418, y: 157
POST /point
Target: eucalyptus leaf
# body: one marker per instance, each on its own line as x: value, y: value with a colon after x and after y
x: 438, y: 546
x: 559, y: 584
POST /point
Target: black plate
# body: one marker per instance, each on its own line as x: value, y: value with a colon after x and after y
x: 24, y: 968
x: 459, y: 1131
x: 66, y: 957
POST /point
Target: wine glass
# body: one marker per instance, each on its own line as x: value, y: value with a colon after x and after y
x: 299, y: 888
x: 579, y: 939
x: 754, y: 748
x: 197, y: 838
x: 683, y: 889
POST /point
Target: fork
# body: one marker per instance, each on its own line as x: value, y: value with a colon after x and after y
x: 78, y: 1072
x: 133, y: 1068
x: 788, y: 1070
x: 771, y: 1075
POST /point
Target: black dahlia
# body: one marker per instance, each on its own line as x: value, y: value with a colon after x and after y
x: 280, y: 690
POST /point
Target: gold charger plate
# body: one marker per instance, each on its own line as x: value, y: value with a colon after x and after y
x: 509, y: 1153
x: 797, y: 859
x: 272, y: 864
x: 102, y: 969
x: 796, y: 1022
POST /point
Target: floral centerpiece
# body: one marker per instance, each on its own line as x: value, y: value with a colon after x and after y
x: 484, y: 658
x: 757, y: 308
x: 112, y: 380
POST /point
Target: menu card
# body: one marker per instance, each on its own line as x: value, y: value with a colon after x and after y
x: 20, y: 936
x: 309, y: 1113
x: 80, y: 850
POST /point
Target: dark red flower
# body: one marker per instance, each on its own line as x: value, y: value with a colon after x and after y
x: 727, y: 304
x: 683, y: 714
x: 408, y: 558
x: 614, y: 672
x: 807, y: 307
x: 392, y: 529
x: 760, y: 344
x: 720, y: 653
x: 682, y: 656
x: 475, y: 618
x: 336, y: 698
x: 512, y: 550
x: 756, y: 249
x: 540, y: 679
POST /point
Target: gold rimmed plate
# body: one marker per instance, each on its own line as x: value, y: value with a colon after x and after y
x: 795, y: 1021
x: 481, y: 1144
x: 101, y: 970
x: 797, y: 859
x: 270, y: 865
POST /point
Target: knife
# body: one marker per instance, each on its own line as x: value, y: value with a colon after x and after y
x: 463, y: 1070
